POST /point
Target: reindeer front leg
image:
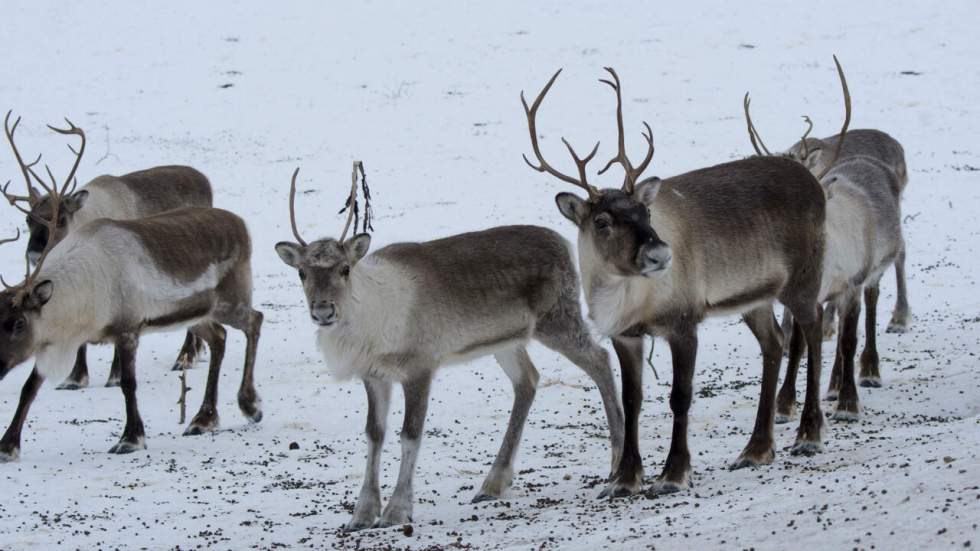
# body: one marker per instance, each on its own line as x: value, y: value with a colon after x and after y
x: 133, y: 437
x: 10, y: 443
x: 677, y: 471
x: 369, y: 502
x: 399, y: 509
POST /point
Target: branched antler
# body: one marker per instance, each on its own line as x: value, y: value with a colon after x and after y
x: 543, y: 166
x: 55, y: 192
x: 632, y: 174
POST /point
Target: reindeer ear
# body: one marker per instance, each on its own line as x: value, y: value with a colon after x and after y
x: 76, y: 201
x: 41, y: 293
x: 813, y: 156
x: 646, y: 190
x: 357, y: 246
x: 290, y: 253
x: 572, y: 207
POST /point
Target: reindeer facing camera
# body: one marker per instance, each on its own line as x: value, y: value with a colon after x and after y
x: 402, y: 312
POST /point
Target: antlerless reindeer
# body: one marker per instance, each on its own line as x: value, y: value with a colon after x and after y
x: 402, y: 312
x: 112, y: 281
x: 134, y: 195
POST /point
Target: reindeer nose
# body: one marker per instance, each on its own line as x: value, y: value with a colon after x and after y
x: 655, y: 258
x: 323, y: 312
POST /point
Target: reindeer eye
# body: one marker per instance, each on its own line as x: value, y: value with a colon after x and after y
x: 345, y: 271
x: 601, y: 223
x: 14, y: 326
x: 302, y: 274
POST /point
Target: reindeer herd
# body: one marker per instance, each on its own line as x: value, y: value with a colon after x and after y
x: 813, y: 229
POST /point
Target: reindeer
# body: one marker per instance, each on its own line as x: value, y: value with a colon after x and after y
x: 133, y: 195
x: 886, y: 180
x: 114, y: 280
x: 864, y: 237
x: 860, y: 142
x: 407, y: 309
x: 658, y: 256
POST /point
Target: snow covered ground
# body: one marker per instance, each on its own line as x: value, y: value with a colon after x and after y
x: 427, y: 96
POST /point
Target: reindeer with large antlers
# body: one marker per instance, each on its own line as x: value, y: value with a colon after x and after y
x: 402, y: 312
x: 135, y: 195
x: 658, y: 256
x: 864, y: 238
x: 114, y: 280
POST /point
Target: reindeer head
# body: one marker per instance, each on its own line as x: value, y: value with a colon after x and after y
x: 615, y: 222
x: 20, y: 307
x: 325, y: 265
x: 818, y: 156
x: 21, y: 304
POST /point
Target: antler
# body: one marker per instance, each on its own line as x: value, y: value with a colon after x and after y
x: 632, y: 174
x: 25, y: 168
x: 806, y: 151
x: 76, y: 131
x: 352, y: 199
x: 847, y: 119
x: 292, y: 208
x: 580, y: 163
x: 55, y: 192
x: 9, y: 240
x: 754, y: 136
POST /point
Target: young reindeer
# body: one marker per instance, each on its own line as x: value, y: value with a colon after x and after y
x: 658, y: 256
x: 402, y: 312
x: 134, y: 195
x: 114, y: 280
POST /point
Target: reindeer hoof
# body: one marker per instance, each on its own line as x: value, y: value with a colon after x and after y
x: 358, y: 525
x: 481, y: 497
x: 9, y: 454
x: 831, y: 395
x: 71, y: 385
x: 806, y: 447
x: 393, y: 518
x: 897, y: 326
x: 111, y: 382
x: 870, y: 382
x: 662, y: 487
x: 783, y: 417
x: 124, y: 446
x: 202, y: 424
x: 751, y: 459
x: 847, y: 410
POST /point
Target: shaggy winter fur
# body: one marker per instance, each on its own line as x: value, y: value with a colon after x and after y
x: 113, y: 280
x: 864, y: 236
x: 408, y: 309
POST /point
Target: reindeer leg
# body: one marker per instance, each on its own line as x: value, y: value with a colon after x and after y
x: 833, y: 387
x: 188, y: 352
x: 78, y: 378
x: 848, y: 408
x: 576, y: 344
x: 133, y: 437
x: 518, y: 367
x: 829, y: 317
x: 786, y: 399
x: 900, y: 316
x: 786, y: 326
x: 759, y: 450
x: 870, y: 375
x: 115, y: 369
x: 248, y: 399
x: 206, y: 419
x: 809, y: 437
x: 369, y: 503
x: 399, y: 508
x: 10, y: 443
x: 677, y: 470
x: 628, y: 476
